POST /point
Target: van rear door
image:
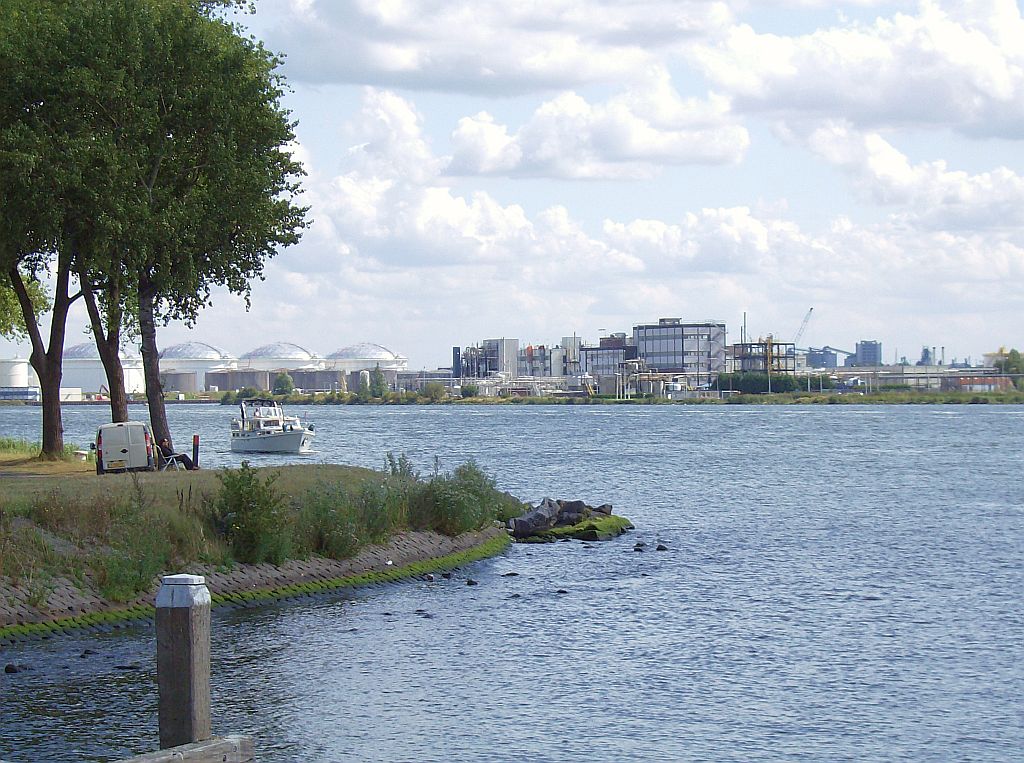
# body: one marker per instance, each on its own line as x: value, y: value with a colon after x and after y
x: 115, y: 446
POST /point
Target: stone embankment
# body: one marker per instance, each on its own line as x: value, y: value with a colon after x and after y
x: 406, y: 554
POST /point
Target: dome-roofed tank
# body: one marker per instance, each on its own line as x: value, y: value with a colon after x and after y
x: 279, y: 350
x: 83, y: 351
x: 194, y: 351
x: 88, y: 351
x: 363, y: 351
x: 366, y: 355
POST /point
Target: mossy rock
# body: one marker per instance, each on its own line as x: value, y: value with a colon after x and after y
x: 595, y: 528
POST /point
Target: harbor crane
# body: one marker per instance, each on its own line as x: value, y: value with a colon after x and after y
x: 803, y: 327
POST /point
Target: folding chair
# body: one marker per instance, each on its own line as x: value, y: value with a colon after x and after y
x: 168, y: 462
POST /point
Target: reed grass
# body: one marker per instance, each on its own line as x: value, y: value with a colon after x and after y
x: 117, y: 533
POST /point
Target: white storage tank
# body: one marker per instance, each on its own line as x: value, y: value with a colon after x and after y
x: 14, y: 373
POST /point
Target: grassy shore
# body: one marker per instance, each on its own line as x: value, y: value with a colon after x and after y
x: 111, y: 536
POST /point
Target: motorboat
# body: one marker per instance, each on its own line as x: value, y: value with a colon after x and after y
x: 262, y: 427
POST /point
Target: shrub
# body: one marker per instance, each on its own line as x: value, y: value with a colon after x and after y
x: 124, y: 574
x: 251, y: 516
x: 454, y: 503
x: 328, y: 523
x: 434, y: 391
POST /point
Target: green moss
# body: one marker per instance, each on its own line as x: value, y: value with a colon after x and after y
x: 491, y: 547
x: 595, y: 528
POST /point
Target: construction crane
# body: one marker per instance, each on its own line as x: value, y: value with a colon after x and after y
x: 803, y: 327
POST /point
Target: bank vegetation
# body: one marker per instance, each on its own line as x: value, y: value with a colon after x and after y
x: 115, y: 534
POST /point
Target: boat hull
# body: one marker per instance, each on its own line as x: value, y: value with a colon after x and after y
x: 297, y: 441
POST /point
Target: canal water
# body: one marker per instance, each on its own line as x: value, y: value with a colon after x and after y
x: 840, y: 583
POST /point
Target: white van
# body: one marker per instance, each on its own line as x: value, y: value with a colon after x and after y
x: 125, y: 446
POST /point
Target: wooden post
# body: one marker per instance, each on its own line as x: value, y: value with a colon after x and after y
x: 183, y: 659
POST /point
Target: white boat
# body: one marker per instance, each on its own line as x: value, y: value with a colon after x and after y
x: 262, y: 427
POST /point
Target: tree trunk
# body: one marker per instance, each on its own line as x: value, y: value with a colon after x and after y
x: 108, y: 343
x: 151, y: 361
x: 48, y: 362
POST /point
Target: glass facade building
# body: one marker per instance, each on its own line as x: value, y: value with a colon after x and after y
x: 693, y: 349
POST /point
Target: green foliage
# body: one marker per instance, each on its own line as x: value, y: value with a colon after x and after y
x: 124, y: 574
x: 378, y: 384
x: 250, y: 514
x: 453, y: 503
x: 1013, y: 363
x: 434, y: 391
x: 283, y: 384
x: 470, y: 390
x: 400, y: 467
x: 757, y: 383
x: 234, y: 398
x: 12, y: 319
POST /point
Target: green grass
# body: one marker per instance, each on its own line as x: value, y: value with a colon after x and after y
x: 106, y: 619
x: 118, y: 532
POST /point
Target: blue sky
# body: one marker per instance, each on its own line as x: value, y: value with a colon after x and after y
x: 536, y: 169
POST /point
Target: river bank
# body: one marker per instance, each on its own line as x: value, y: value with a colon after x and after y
x: 79, y: 549
x: 71, y: 605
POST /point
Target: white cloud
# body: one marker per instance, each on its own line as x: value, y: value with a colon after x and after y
x: 961, y: 65
x: 933, y: 196
x: 483, y: 45
x: 434, y: 258
x: 629, y: 136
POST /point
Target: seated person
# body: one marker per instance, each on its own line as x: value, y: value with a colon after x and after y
x: 167, y: 452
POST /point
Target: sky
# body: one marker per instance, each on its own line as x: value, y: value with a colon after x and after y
x: 540, y: 169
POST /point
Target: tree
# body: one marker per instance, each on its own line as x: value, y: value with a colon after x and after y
x: 12, y: 321
x: 378, y: 384
x: 470, y: 390
x: 51, y: 166
x: 1013, y: 363
x: 218, y: 179
x: 434, y: 391
x: 143, y: 152
x: 283, y: 384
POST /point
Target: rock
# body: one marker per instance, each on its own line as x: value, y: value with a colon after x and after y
x: 446, y: 575
x: 573, y: 507
x: 543, y: 517
x: 511, y: 575
x: 561, y: 590
x: 516, y: 596
x: 661, y: 547
x: 10, y: 667
x: 471, y: 582
x: 604, y: 508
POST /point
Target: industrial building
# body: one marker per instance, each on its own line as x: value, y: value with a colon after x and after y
x: 184, y: 367
x: 82, y: 368
x: 491, y: 356
x: 693, y: 351
x: 763, y: 356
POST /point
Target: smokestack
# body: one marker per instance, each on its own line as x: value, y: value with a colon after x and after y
x: 943, y: 361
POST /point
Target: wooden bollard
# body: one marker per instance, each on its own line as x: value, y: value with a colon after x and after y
x: 183, y: 659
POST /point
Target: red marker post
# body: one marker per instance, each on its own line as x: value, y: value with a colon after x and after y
x: 195, y: 450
